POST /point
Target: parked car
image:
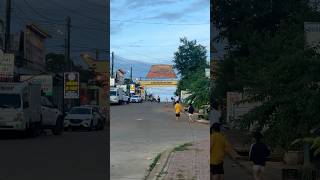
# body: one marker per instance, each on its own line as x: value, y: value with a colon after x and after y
x: 126, y: 99
x: 102, y: 115
x: 52, y: 117
x: 136, y: 99
x: 83, y: 117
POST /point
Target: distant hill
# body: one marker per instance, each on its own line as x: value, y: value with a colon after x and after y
x: 139, y: 68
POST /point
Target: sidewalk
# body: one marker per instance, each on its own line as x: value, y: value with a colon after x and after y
x: 181, y: 165
x: 192, y: 163
x: 189, y: 164
x: 240, y: 141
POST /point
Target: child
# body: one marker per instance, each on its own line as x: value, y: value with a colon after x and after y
x: 178, y: 108
x: 258, y: 155
x: 191, y: 111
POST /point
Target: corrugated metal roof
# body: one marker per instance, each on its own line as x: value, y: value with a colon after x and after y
x: 161, y: 71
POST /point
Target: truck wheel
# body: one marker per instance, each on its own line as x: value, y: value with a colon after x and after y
x: 91, y: 127
x: 34, y: 129
x: 58, y: 128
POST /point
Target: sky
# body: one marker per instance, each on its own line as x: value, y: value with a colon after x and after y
x: 149, y: 30
x: 89, y: 25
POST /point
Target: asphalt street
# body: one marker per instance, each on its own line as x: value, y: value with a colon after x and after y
x: 73, y: 155
x: 140, y: 131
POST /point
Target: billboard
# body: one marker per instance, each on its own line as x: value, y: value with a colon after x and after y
x: 6, y: 64
x: 34, y: 49
x: 132, y: 88
x: 159, y: 83
x: 71, y: 85
x: 46, y: 82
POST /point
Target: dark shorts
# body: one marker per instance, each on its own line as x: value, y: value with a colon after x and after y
x: 217, y: 169
x: 177, y: 114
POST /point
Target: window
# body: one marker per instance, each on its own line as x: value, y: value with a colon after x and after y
x: 10, y: 101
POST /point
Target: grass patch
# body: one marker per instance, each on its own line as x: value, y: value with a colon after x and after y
x: 183, y: 147
x: 154, y: 162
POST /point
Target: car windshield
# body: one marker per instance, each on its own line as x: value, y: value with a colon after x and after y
x: 80, y: 111
x: 113, y: 93
x: 10, y: 101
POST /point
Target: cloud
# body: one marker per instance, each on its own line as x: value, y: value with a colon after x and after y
x: 146, y: 3
x: 116, y: 28
x: 168, y: 16
x: 196, y: 6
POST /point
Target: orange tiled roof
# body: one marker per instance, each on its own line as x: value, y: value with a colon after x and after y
x: 161, y: 71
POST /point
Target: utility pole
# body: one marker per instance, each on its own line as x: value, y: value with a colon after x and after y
x: 97, y: 54
x: 112, y: 64
x: 67, y: 44
x: 131, y: 73
x: 8, y: 24
x: 67, y: 50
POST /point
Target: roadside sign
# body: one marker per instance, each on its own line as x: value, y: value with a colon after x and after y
x: 132, y: 88
x: 71, y: 85
x: 112, y: 82
x: 6, y: 64
x: 46, y: 82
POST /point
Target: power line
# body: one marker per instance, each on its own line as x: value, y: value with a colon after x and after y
x: 39, y: 14
x: 171, y: 24
x: 144, y: 55
x: 78, y: 13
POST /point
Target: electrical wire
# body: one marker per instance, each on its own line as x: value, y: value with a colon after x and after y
x: 39, y: 14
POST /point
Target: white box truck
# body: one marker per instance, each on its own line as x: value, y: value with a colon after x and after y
x: 20, y: 107
x: 117, y: 95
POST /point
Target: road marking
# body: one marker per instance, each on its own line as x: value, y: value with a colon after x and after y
x: 139, y: 119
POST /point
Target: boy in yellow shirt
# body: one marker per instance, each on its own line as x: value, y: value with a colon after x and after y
x: 218, y: 150
x: 178, y: 108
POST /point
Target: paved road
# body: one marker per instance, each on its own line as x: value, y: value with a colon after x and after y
x: 73, y: 155
x: 140, y: 131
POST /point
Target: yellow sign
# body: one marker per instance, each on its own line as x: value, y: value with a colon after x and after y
x: 132, y: 88
x: 154, y: 83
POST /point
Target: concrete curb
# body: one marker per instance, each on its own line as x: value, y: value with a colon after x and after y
x: 203, y: 121
x: 161, y: 164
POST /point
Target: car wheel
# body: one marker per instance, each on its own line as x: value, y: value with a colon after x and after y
x: 58, y: 128
x: 91, y: 127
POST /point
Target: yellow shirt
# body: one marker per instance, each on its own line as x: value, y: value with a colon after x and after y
x: 178, y: 108
x: 219, y: 146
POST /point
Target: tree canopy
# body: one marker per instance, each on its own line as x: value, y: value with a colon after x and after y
x: 268, y: 59
x: 191, y: 60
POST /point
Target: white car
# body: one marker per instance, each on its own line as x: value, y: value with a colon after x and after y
x: 126, y: 99
x: 136, y: 99
x: 52, y: 117
x: 82, y: 117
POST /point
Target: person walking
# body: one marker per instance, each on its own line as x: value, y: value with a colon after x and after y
x: 178, y: 109
x: 218, y: 149
x: 191, y: 111
x: 258, y: 154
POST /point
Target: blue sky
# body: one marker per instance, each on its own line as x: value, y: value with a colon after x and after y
x: 149, y: 30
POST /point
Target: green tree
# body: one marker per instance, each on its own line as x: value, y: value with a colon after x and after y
x: 268, y: 60
x: 190, y: 57
x: 190, y: 61
x: 55, y: 63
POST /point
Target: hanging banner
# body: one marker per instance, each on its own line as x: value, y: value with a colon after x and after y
x: 71, y: 85
x: 6, y: 64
